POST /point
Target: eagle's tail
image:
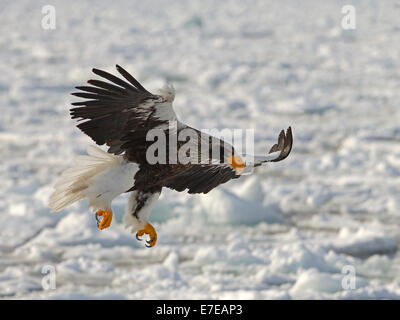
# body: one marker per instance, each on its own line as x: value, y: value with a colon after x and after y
x: 74, y: 183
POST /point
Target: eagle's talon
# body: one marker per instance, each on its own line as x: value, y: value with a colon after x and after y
x: 137, y: 238
x: 151, y: 240
x: 105, y: 222
x: 148, y: 229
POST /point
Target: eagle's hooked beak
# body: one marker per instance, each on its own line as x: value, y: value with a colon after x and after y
x: 236, y: 163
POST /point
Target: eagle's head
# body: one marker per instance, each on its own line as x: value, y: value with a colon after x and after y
x: 167, y: 92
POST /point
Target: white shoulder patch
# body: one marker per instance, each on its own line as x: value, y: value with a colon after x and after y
x: 167, y: 92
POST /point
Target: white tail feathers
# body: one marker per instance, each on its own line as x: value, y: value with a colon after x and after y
x: 75, y: 181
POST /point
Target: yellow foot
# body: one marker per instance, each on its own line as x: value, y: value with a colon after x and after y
x: 106, y: 221
x: 148, y: 229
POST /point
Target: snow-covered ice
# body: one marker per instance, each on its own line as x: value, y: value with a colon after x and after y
x: 290, y: 230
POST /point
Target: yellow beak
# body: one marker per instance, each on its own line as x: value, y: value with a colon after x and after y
x: 236, y: 163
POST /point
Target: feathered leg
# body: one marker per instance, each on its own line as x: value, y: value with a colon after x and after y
x: 137, y: 213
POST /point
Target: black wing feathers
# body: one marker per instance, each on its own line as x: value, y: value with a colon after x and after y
x: 109, y: 87
x: 114, y: 79
x: 284, y: 145
x: 195, y: 178
x: 131, y: 79
x: 96, y: 90
x: 113, y: 109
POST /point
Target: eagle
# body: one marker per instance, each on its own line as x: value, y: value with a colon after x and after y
x: 121, y: 114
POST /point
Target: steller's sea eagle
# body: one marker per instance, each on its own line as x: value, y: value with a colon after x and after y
x: 120, y: 114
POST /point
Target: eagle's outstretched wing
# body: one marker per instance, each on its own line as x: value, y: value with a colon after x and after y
x: 202, y: 178
x: 120, y: 109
